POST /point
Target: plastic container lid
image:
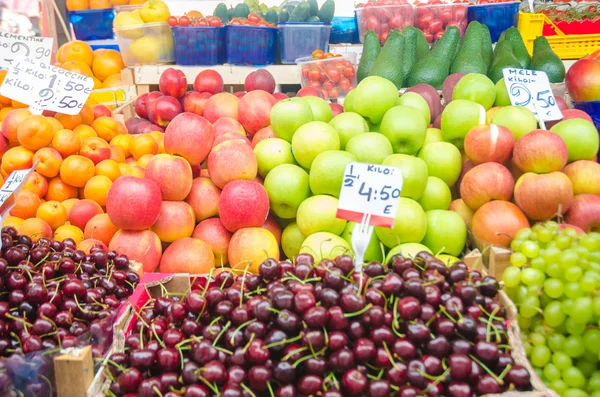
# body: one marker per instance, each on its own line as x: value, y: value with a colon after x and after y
x: 142, y: 26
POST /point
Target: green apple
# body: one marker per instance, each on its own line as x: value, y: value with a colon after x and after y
x: 410, y: 225
x: 373, y: 252
x: 373, y: 97
x: 318, y: 214
x: 374, y: 127
x: 437, y: 195
x: 414, y: 174
x: 477, y: 88
x: 446, y: 232
x: 289, y: 115
x: 416, y: 101
x: 370, y: 147
x: 448, y: 260
x: 320, y: 108
x: 407, y: 250
x: 325, y: 245
x: 272, y: 152
x: 443, y: 160
x: 311, y: 139
x: 348, y: 124
x: 433, y: 135
x: 291, y: 240
x: 405, y: 128
x: 517, y: 119
x: 502, y: 98
x: 287, y: 186
x: 580, y: 136
x: 327, y: 172
x: 349, y: 102
x: 458, y: 117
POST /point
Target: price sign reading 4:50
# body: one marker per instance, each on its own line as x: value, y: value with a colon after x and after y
x: 370, y: 189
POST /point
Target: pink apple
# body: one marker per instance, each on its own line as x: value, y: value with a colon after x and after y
x: 585, y: 212
x: 497, y: 223
x: 489, y: 143
x: 260, y: 79
x: 583, y: 80
x: 280, y: 96
x: 310, y: 91
x: 142, y: 102
x: 226, y: 125
x: 255, y: 110
x: 240, y: 94
x: 463, y: 210
x: 221, y: 105
x: 208, y: 81
x: 189, y: 136
x: 172, y: 82
x: 163, y: 110
x: 543, y: 196
x: 243, y: 204
x: 540, y: 151
x: 194, y: 102
x: 585, y: 176
x: 486, y: 182
x: 336, y: 109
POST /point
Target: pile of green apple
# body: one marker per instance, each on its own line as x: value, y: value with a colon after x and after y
x: 304, y: 166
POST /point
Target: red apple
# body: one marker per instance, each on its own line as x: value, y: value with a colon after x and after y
x: 466, y: 167
x: 140, y: 246
x: 255, y: 110
x: 146, y: 128
x: 260, y: 79
x: 540, y: 151
x: 208, y: 81
x: 132, y: 124
x: 585, y: 176
x: 431, y: 96
x: 221, y: 105
x: 189, y: 136
x: 585, y: 212
x: 570, y: 114
x: 564, y: 226
x: 133, y: 203
x: 243, y: 204
x: 543, y: 196
x: 172, y: 174
x: 489, y: 143
x: 173, y: 82
x: 497, y: 223
x: 142, y: 102
x: 583, y: 80
x: 240, y: 94
x: 486, y: 182
x: 231, y: 136
x: 226, y: 125
x: 463, y: 210
x: 163, y: 110
x: 336, y: 109
x: 280, y: 96
x: 310, y: 91
x: 194, y: 102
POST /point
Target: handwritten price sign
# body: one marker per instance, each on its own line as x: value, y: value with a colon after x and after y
x: 13, y: 46
x: 46, y: 87
x: 13, y: 184
x: 531, y: 89
x: 370, y: 189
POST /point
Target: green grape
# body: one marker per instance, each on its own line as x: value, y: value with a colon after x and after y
x: 587, y: 283
x: 567, y: 306
x: 516, y: 245
x: 582, y: 252
x: 531, y: 276
x: 562, y: 360
x: 551, y: 372
x: 573, y: 377
x: 523, y: 234
x: 533, y: 290
x: 524, y: 323
x: 553, y: 287
x: 594, y: 257
x: 545, y: 235
x: 551, y: 255
x: 569, y: 231
x: 595, y: 394
x: 517, y: 259
x: 591, y: 338
x: 527, y: 347
x: 572, y: 290
x: 538, y: 372
x: 554, y: 270
x: 552, y: 244
x: 562, y: 242
x: 596, y: 305
x: 568, y: 258
x: 530, y: 249
x: 537, y: 339
x: 594, y: 381
x: 522, y: 292
x: 586, y: 367
x: 573, y: 273
x: 590, y: 242
x: 530, y: 307
x: 590, y: 356
x: 555, y: 342
x: 584, y: 310
x: 512, y: 276
x: 540, y: 356
x: 538, y: 263
x: 551, y: 225
x: 545, y: 300
x: 574, y: 393
x: 553, y: 314
x: 592, y: 274
x: 533, y: 237
x: 574, y: 327
x: 595, y: 265
x: 540, y: 329
x: 559, y: 386
x: 574, y: 346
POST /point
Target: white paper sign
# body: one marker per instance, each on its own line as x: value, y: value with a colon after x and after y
x: 528, y: 87
x: 12, y: 185
x: 14, y: 45
x: 370, y: 189
x: 46, y: 87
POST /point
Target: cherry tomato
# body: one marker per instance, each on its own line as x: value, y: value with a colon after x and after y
x: 349, y: 71
x: 397, y: 22
x: 305, y: 70
x: 325, y: 94
x: 459, y: 14
x: 172, y: 21
x: 318, y: 54
x: 184, y: 21
x: 424, y: 22
x: 438, y: 35
x: 333, y: 93
x: 344, y: 84
x: 374, y: 24
x: 435, y: 26
x: 314, y: 74
x: 328, y: 85
x: 216, y: 22
x: 254, y: 18
x: 383, y: 37
x: 428, y: 36
x: 445, y: 16
x: 334, y: 75
x: 315, y: 84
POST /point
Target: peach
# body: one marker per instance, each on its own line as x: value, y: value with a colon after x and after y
x: 194, y: 102
x: 585, y: 212
x: 49, y: 162
x: 243, y: 204
x: 486, y: 182
x: 82, y: 211
x: 37, y: 184
x: 231, y: 136
x: 226, y: 125
x: 100, y: 228
x: 543, y: 196
x: 133, y: 203
x: 584, y: 176
x: 188, y: 255
x: 212, y: 232
x: 540, y: 151
x: 176, y: 220
x: 68, y: 231
x: 95, y: 149
x: 497, y: 223
x: 463, y: 210
x: 163, y: 110
x: 173, y: 174
x: 142, y: 102
x: 220, y: 105
x: 88, y: 244
x: 262, y: 134
x: 189, y: 136
x: 141, y: 246
x: 107, y: 128
x: 35, y: 228
x: 272, y: 225
x: 26, y: 204
x: 204, y: 198
x: 230, y: 161
x: 208, y: 81
x: 255, y: 110
x: 250, y: 247
x: 173, y: 83
x: 489, y: 143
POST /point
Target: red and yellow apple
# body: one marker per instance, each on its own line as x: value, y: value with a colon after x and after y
x: 543, y: 196
x: 585, y: 176
x: 585, y: 212
x: 486, y: 182
x: 489, y: 143
x: 540, y: 151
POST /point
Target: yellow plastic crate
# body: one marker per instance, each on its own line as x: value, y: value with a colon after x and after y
x: 573, y: 46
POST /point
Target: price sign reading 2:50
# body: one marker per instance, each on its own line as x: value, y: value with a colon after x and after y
x: 370, y: 189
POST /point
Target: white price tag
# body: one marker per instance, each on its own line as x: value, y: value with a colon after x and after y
x: 15, y: 45
x: 370, y: 189
x: 12, y: 185
x: 46, y: 87
x: 531, y: 89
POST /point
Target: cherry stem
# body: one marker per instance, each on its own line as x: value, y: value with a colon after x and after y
x: 19, y: 319
x: 241, y: 327
x: 210, y: 386
x: 247, y: 389
x: 114, y: 364
x: 223, y: 330
x: 490, y: 324
x: 290, y: 354
x: 270, y: 389
x: 155, y: 389
x: 358, y: 313
x: 489, y: 371
x: 387, y: 351
x: 315, y: 355
x: 505, y: 371
x: 445, y: 312
x: 282, y: 342
x: 221, y: 349
x: 249, y: 343
x: 156, y: 336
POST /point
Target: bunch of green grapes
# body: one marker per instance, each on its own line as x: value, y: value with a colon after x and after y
x: 554, y: 280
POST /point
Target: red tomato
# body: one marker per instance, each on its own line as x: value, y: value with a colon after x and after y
x: 424, y: 22
x: 184, y: 21
x: 216, y: 21
x: 349, y: 71
x: 172, y: 21
x: 334, y: 75
x: 202, y: 22
x: 459, y: 13
x: 422, y: 10
x: 445, y: 16
x: 435, y: 26
x: 428, y: 36
x: 435, y: 2
x: 383, y: 37
x: 333, y: 93
x: 328, y: 85
x: 438, y: 35
x: 314, y: 74
x: 253, y: 18
x: 397, y: 22
x: 374, y: 24
x: 344, y: 84
x: 315, y: 84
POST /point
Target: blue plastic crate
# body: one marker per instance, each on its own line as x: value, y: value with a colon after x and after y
x: 250, y: 45
x: 92, y: 24
x: 344, y: 31
x: 300, y: 39
x: 199, y: 45
x: 593, y: 109
x: 104, y: 45
x: 497, y: 16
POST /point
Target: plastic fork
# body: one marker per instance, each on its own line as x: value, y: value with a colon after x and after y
x: 361, y: 236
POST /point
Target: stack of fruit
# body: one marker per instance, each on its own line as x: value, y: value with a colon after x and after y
x: 322, y: 329
x: 54, y: 297
x: 554, y: 281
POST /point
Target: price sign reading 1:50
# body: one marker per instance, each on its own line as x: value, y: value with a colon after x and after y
x: 370, y: 189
